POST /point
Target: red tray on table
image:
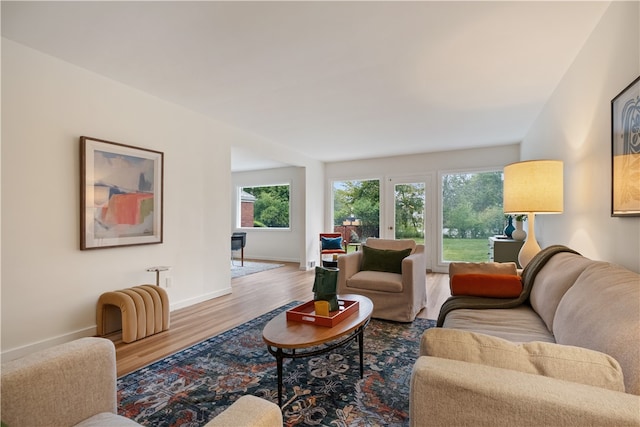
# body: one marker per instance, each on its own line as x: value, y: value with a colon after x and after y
x: 306, y: 313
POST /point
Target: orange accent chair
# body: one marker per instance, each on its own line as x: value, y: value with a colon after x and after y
x: 330, y: 245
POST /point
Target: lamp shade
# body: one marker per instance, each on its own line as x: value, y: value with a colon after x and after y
x: 533, y: 186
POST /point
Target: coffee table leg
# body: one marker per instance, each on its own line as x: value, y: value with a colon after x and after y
x: 361, y: 348
x: 279, y: 358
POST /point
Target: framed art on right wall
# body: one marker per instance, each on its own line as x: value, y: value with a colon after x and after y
x: 625, y: 151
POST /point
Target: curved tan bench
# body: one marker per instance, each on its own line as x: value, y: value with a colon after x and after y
x: 144, y: 311
x: 161, y: 301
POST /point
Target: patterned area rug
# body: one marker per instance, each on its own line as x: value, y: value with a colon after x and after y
x: 194, y: 385
x: 250, y: 267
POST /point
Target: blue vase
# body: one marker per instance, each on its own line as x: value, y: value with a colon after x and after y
x: 509, y: 229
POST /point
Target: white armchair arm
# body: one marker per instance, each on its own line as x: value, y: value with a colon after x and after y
x: 454, y: 393
x: 75, y: 384
x: 414, y: 277
x: 61, y: 385
x: 348, y: 265
x: 249, y: 411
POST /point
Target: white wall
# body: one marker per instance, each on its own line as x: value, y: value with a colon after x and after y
x: 575, y: 126
x: 300, y: 243
x: 314, y: 202
x: 430, y: 165
x: 50, y: 287
x: 273, y: 244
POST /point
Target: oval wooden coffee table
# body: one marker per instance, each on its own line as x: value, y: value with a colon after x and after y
x: 285, y: 337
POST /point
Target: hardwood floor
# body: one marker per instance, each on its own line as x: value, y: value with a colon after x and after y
x: 252, y: 296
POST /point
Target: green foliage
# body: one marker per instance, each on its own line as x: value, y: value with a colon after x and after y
x: 409, y: 210
x: 472, y: 204
x: 271, y: 208
x: 362, y: 200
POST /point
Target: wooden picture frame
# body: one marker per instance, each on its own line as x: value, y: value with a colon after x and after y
x: 121, y: 194
x: 625, y: 151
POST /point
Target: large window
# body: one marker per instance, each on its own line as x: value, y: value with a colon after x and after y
x: 265, y: 206
x: 471, y: 212
x: 356, y: 209
x: 409, y: 203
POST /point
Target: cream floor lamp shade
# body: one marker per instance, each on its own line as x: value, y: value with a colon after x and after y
x: 532, y: 187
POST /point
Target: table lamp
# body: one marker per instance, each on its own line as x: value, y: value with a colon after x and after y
x: 532, y: 187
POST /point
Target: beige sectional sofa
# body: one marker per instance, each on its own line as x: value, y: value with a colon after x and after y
x: 567, y: 352
x: 74, y: 384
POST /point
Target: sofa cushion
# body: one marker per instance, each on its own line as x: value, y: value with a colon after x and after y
x: 376, y: 281
x: 601, y: 311
x: 249, y: 411
x: 486, y: 285
x: 107, y: 419
x: 387, y: 260
x: 567, y: 363
x: 553, y: 280
x: 518, y: 324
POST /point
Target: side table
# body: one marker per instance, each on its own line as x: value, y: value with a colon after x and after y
x: 504, y: 250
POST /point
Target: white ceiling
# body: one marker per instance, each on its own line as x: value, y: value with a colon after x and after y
x: 332, y: 80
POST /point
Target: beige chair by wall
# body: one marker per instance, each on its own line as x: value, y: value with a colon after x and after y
x: 396, y: 285
x: 75, y: 384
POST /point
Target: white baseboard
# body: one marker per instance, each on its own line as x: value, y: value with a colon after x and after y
x: 280, y: 259
x: 202, y: 298
x: 16, y: 353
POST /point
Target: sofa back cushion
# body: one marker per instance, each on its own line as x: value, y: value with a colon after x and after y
x: 601, y: 311
x: 567, y: 363
x: 391, y: 244
x: 553, y: 280
x: 482, y: 268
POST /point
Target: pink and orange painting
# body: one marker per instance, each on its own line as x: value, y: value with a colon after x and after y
x: 122, y: 194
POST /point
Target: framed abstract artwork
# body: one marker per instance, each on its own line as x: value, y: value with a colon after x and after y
x: 121, y: 194
x: 625, y: 151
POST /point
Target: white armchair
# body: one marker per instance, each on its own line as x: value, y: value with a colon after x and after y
x: 75, y: 384
x: 398, y: 295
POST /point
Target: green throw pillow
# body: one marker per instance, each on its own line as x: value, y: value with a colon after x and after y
x: 383, y: 259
